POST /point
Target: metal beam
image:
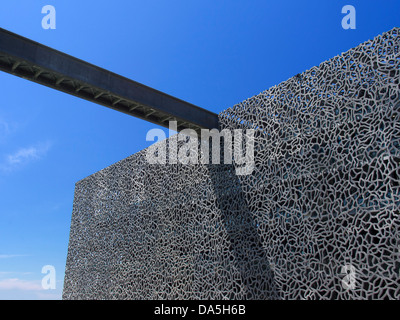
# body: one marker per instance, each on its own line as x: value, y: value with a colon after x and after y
x: 38, y: 63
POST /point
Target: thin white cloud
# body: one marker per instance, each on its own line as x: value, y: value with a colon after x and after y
x: 24, y: 156
x: 49, y: 296
x: 4, y: 128
x: 7, y: 128
x: 16, y: 288
x: 18, y: 284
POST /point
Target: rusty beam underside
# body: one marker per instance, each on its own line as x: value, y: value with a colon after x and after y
x: 38, y: 63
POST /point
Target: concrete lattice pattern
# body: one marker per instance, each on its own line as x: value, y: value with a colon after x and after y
x: 317, y: 219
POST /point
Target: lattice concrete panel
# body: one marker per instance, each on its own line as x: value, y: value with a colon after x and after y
x: 143, y: 231
x: 317, y: 219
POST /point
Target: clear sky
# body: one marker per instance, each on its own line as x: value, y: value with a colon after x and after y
x: 213, y: 54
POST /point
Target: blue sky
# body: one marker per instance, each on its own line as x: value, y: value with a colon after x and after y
x: 211, y: 53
